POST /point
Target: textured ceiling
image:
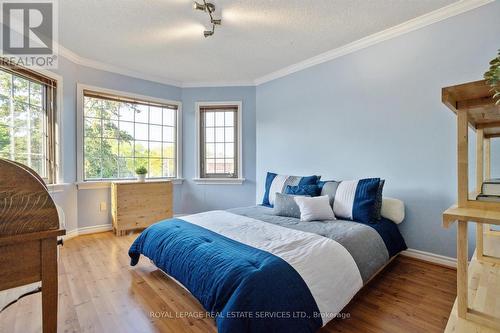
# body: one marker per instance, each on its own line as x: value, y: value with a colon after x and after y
x: 163, y: 38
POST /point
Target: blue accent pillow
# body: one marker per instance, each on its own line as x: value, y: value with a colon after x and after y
x: 356, y: 200
x: 310, y: 190
x: 277, y: 184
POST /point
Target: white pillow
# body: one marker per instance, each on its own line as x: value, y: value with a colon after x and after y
x: 315, y: 208
x: 393, y: 209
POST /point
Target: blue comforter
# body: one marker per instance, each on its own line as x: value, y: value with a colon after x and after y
x: 246, y: 289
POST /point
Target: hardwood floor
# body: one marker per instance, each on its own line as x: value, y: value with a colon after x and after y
x: 100, y: 292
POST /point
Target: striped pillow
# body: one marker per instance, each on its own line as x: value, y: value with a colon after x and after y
x: 356, y: 200
x: 277, y: 184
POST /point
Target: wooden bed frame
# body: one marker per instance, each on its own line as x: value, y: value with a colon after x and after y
x: 29, y: 227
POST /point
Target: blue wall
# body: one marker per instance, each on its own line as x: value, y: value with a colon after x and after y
x: 378, y: 112
x: 198, y: 198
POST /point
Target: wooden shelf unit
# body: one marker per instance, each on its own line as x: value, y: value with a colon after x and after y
x: 474, y: 106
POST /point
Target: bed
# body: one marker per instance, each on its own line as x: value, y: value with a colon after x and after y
x: 254, y: 271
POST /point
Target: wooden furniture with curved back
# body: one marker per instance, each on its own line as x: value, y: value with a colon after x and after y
x: 29, y: 227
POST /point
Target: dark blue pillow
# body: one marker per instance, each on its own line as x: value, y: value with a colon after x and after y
x: 355, y: 200
x: 310, y: 190
x: 280, y: 182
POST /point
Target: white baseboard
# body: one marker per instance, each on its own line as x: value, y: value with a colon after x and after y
x: 88, y: 230
x: 431, y: 257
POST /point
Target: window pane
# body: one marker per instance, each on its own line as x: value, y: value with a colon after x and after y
x: 210, y: 166
x: 169, y: 117
x: 141, y: 132
x: 38, y: 164
x: 229, y: 118
x: 92, y: 107
x: 141, y: 149
x: 219, y: 134
x: 168, y: 134
x: 5, y: 141
x: 110, y: 109
x: 210, y: 134
x: 93, y: 127
x: 219, y: 150
x: 210, y: 150
x: 21, y: 89
x: 92, y: 153
x: 229, y: 134
x: 126, y: 148
x: 126, y: 130
x: 168, y: 150
x: 21, y: 115
x: 155, y: 114
x: 155, y: 133
x: 209, y: 119
x: 5, y: 83
x: 155, y: 149
x: 36, y: 94
x: 142, y: 114
x: 229, y: 150
x: 229, y: 166
x: 126, y: 168
x: 109, y: 148
x: 155, y: 168
x: 5, y: 118
x: 109, y: 167
x: 127, y: 112
x: 110, y: 129
x: 219, y: 118
x: 219, y: 166
x: 169, y: 168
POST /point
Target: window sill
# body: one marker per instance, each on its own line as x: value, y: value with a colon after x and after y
x: 93, y: 185
x: 56, y: 188
x: 219, y: 181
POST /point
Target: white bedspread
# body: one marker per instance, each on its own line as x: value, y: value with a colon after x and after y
x: 326, y: 266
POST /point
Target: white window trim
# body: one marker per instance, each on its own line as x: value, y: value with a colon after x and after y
x: 81, y: 183
x: 219, y: 181
x: 59, y: 142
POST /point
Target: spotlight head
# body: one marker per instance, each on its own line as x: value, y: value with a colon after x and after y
x: 198, y: 6
x: 208, y: 33
x: 210, y: 7
x: 217, y: 21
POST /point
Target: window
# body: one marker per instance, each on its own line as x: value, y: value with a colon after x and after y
x: 219, y: 141
x: 27, y: 120
x: 122, y: 133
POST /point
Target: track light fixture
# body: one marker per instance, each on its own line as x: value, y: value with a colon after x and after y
x: 209, y: 8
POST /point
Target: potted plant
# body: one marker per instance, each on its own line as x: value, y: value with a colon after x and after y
x: 141, y: 173
x: 493, y: 77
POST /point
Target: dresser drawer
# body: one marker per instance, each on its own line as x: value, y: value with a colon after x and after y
x: 138, y: 205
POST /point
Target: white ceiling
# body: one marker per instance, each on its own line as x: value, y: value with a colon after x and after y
x: 163, y: 38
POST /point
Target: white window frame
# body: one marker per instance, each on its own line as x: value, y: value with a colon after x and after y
x: 219, y: 181
x: 57, y: 185
x: 89, y: 184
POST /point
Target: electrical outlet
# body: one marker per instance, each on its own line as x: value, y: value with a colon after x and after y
x: 102, y: 206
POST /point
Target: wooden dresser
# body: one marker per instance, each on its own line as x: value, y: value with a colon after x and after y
x: 138, y: 205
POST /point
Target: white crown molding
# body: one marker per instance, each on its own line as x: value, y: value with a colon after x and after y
x: 398, y: 30
x: 75, y: 58
x: 431, y: 257
x: 218, y: 84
